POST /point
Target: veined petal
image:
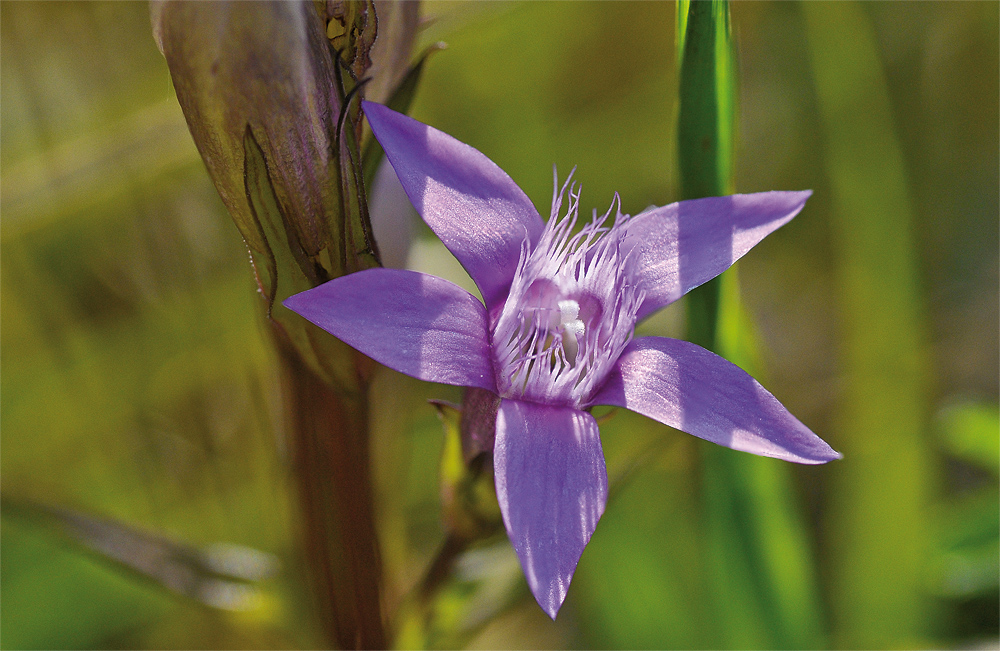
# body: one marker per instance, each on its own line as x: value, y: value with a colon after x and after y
x: 688, y: 243
x: 417, y: 324
x: 696, y: 391
x: 552, y: 486
x: 478, y: 211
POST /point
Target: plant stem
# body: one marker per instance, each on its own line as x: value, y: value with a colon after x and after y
x: 329, y: 436
x: 442, y: 567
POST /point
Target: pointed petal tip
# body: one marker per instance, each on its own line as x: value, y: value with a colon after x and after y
x: 477, y: 210
x: 799, y: 196
x: 295, y: 303
x: 826, y: 457
x: 810, y: 450
x: 552, y: 488
x: 820, y: 454
x: 805, y: 194
x: 687, y: 243
x: 694, y: 390
x: 370, y: 107
x: 551, y: 610
x: 419, y: 325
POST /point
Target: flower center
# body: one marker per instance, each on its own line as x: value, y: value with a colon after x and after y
x: 570, y: 311
x: 571, y: 327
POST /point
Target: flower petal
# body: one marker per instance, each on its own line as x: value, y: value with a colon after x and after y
x: 478, y: 211
x: 420, y: 325
x: 688, y: 243
x: 687, y: 387
x: 552, y: 487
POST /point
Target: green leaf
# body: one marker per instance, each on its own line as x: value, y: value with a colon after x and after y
x: 756, y: 511
x: 707, y: 101
x: 760, y: 569
x: 705, y: 131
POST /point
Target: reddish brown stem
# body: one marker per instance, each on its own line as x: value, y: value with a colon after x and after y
x: 328, y: 433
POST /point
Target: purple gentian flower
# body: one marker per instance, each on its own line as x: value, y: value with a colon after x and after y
x: 554, y: 337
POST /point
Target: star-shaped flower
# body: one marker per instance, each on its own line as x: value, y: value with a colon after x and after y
x: 554, y: 337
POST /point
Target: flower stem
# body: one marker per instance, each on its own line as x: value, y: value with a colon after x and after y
x: 442, y: 567
x: 328, y: 432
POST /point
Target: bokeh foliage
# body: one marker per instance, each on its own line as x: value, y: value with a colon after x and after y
x: 138, y: 384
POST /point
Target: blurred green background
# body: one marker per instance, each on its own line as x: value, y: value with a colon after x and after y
x: 139, y: 391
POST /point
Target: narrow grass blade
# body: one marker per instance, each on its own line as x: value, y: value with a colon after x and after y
x: 880, y: 492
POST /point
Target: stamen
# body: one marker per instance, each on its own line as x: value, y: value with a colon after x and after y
x: 571, y: 308
x: 572, y: 328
